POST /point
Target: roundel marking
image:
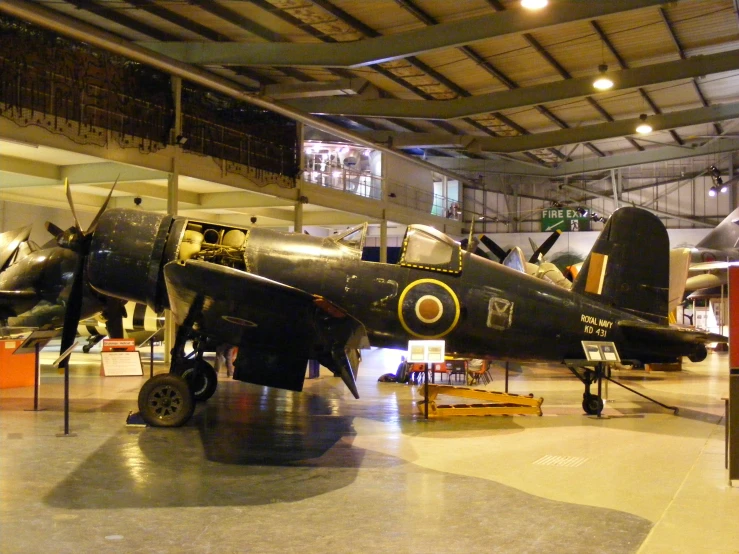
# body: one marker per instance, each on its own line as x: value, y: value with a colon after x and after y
x: 428, y: 309
x: 239, y: 321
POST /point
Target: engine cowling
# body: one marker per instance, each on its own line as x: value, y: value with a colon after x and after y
x: 128, y: 252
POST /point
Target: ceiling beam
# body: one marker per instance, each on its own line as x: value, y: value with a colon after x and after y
x: 600, y: 131
x: 316, y: 89
x: 652, y: 155
x: 237, y: 200
x: 658, y: 213
x: 31, y: 168
x: 84, y: 32
x: 147, y: 190
x: 107, y: 173
x: 580, y: 87
x: 397, y: 46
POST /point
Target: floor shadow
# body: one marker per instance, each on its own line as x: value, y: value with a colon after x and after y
x: 272, y: 447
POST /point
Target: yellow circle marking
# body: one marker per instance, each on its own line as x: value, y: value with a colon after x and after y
x: 446, y: 288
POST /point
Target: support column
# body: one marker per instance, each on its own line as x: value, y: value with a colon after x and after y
x: 615, y: 183
x: 299, y: 214
x: 172, y: 200
x: 733, y: 187
x: 383, y: 238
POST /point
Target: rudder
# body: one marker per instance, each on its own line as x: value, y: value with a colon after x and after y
x: 629, y: 265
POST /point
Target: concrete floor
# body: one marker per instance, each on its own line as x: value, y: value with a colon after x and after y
x: 262, y: 470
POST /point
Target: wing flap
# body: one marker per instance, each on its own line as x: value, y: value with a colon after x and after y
x: 282, y: 325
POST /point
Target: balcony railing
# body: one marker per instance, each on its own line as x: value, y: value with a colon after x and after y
x: 371, y: 186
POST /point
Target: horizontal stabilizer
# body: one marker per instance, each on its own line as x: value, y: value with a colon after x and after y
x: 648, y: 331
x: 17, y: 294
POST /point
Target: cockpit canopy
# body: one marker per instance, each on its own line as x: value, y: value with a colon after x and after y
x: 426, y: 248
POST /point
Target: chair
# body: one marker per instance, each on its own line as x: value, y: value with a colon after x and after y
x: 480, y: 376
x: 442, y: 369
x: 416, y: 373
x: 457, y: 369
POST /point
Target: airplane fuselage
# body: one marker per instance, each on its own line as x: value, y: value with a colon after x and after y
x: 488, y: 310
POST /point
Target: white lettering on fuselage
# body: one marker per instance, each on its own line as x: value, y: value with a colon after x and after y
x: 595, y: 325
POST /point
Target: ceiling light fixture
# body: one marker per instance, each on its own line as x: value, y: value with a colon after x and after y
x: 713, y: 191
x: 534, y: 4
x: 603, y: 82
x: 643, y: 128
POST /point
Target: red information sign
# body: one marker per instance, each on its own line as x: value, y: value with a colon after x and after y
x: 733, y: 317
x: 119, y: 345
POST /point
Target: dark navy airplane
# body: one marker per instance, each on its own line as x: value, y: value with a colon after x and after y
x: 36, y: 281
x: 284, y: 299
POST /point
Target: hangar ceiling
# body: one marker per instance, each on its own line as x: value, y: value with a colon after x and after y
x: 476, y: 86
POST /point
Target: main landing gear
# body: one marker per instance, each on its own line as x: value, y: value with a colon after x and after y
x: 168, y: 400
x: 594, y: 372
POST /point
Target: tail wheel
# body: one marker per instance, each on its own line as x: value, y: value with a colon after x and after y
x: 592, y: 404
x: 202, y: 378
x: 165, y: 400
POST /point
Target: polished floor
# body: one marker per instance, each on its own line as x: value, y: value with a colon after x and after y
x: 261, y: 470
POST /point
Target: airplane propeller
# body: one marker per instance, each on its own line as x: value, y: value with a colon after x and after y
x: 542, y: 250
x: 79, y: 241
x: 494, y: 248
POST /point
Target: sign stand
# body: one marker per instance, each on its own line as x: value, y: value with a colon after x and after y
x: 426, y: 352
x: 33, y: 344
x: 64, y: 359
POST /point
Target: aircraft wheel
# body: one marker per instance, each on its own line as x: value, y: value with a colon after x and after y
x: 202, y: 378
x: 592, y: 404
x: 86, y: 349
x: 166, y: 400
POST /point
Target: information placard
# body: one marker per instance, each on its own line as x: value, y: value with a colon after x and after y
x: 121, y: 364
x: 426, y: 351
x: 600, y: 351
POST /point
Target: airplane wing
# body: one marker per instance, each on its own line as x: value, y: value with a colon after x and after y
x: 9, y: 243
x: 277, y: 327
x: 649, y: 331
x: 709, y: 266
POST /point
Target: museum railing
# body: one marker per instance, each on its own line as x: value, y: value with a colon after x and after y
x: 364, y: 184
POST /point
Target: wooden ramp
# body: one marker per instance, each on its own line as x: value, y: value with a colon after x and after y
x: 497, y: 403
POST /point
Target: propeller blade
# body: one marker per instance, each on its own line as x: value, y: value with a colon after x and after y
x: 94, y: 223
x: 545, y: 247
x: 68, y: 192
x: 55, y: 230
x: 494, y: 248
x: 115, y: 311
x: 74, y: 308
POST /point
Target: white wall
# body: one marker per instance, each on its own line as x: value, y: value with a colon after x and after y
x: 412, y: 185
x: 14, y: 215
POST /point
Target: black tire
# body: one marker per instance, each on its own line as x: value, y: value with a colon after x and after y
x: 86, y: 349
x: 166, y: 401
x: 202, y: 378
x: 592, y: 404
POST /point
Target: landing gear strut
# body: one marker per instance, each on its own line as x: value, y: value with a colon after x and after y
x: 168, y: 400
x: 594, y: 372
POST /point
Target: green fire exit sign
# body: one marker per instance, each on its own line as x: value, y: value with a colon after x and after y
x: 563, y: 219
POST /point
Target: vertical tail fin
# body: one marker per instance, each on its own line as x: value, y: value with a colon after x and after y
x: 629, y: 265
